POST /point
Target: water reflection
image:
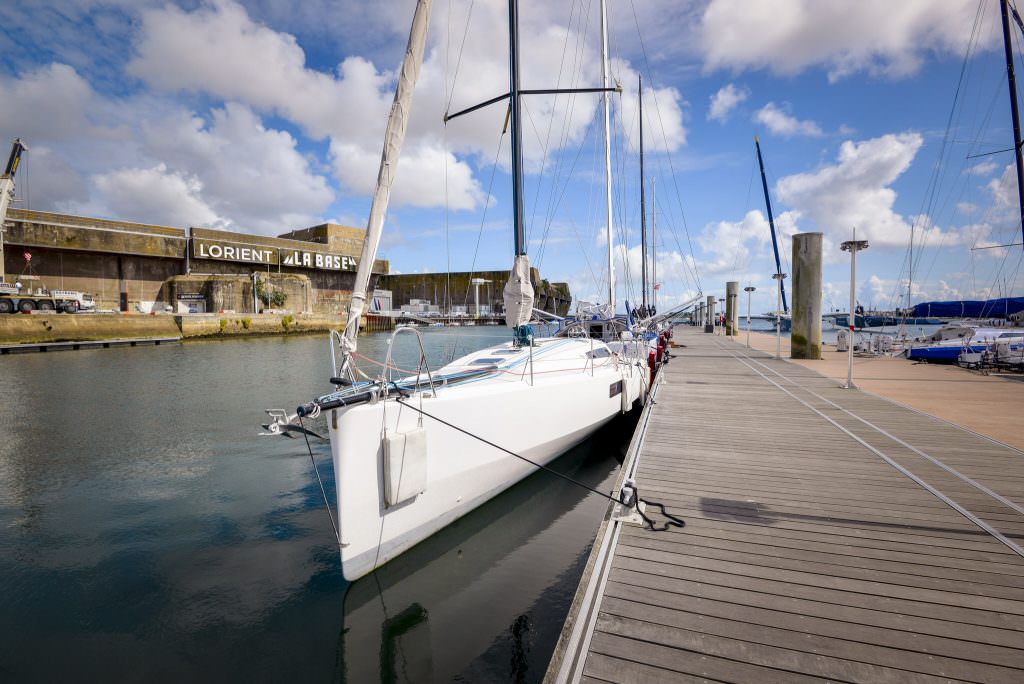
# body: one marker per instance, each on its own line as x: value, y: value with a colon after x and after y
x: 146, y: 532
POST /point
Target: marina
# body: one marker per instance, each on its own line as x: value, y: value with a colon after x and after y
x: 402, y: 354
x: 861, y: 540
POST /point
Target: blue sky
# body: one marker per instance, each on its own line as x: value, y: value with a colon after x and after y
x: 267, y: 116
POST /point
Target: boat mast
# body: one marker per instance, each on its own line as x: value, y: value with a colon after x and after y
x: 771, y: 224
x: 643, y: 204
x: 654, y: 247
x: 517, y: 147
x: 394, y: 135
x: 605, y: 83
x: 1014, y: 113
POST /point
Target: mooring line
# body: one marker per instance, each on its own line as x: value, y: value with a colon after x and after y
x: 934, y: 491
x: 949, y: 469
x: 634, y: 501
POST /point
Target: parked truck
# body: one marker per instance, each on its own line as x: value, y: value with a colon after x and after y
x: 13, y: 300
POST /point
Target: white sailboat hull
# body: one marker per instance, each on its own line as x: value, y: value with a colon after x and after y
x: 568, y: 399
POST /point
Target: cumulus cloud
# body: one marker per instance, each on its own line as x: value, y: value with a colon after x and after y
x: 789, y: 36
x: 1004, y: 188
x: 983, y: 169
x: 160, y: 195
x: 252, y: 174
x: 778, y: 121
x: 725, y: 100
x: 856, y: 191
x: 663, y: 113
x: 218, y: 49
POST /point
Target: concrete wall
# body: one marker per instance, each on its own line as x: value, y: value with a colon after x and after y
x: 54, y: 327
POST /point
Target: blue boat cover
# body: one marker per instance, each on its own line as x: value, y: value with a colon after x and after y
x: 968, y: 308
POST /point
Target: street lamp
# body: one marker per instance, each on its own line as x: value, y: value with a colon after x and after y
x: 748, y: 289
x: 852, y: 246
x: 778, y: 314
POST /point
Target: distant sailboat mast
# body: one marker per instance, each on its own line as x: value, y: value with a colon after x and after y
x: 606, y: 84
x: 643, y: 203
x: 1014, y: 113
x: 771, y: 224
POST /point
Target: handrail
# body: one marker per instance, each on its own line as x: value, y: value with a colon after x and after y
x: 422, y: 364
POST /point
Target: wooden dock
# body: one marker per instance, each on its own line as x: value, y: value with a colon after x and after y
x: 831, y: 535
x: 84, y: 344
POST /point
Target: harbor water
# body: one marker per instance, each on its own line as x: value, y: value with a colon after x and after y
x: 147, y: 533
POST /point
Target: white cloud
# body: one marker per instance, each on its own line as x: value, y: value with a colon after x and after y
x: 219, y: 50
x: 725, y: 100
x: 983, y: 169
x: 252, y: 175
x: 876, y: 36
x: 781, y: 123
x: 1004, y: 188
x: 663, y: 113
x: 162, y: 196
x: 856, y: 192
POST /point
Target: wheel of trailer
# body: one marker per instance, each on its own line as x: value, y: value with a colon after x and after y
x: 6, y: 305
x: 45, y: 305
x: 26, y: 305
x: 71, y: 307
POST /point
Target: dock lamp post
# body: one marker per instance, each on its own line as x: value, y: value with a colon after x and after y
x: 748, y: 289
x: 721, y: 305
x: 779, y: 277
x: 852, y: 246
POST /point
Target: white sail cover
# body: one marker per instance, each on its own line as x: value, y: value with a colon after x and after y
x: 518, y: 293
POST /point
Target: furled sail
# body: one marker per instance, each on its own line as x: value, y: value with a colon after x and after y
x: 393, y: 138
x: 518, y: 293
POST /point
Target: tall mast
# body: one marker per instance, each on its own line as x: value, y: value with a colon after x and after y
x: 771, y: 224
x: 605, y: 83
x: 394, y: 136
x: 1014, y: 113
x: 517, y: 146
x: 654, y: 246
x: 643, y: 204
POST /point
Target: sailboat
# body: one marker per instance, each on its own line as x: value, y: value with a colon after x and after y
x: 412, y: 454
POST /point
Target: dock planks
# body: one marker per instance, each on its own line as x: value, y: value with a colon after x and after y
x: 823, y: 539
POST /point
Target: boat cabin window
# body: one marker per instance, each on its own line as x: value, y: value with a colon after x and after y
x: 486, y: 362
x: 599, y: 353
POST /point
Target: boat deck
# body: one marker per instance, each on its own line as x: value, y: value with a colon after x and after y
x: 831, y: 534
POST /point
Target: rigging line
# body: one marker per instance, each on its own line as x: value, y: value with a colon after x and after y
x: 964, y: 191
x: 673, y: 521
x: 583, y: 249
x: 565, y: 187
x: 576, y: 69
x: 462, y: 47
x: 661, y: 124
x: 309, y: 447
x: 483, y: 217
x: 551, y: 119
x: 928, y: 202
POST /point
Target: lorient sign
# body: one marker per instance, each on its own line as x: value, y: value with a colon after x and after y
x: 271, y: 256
x: 203, y: 249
